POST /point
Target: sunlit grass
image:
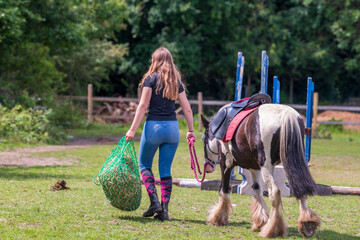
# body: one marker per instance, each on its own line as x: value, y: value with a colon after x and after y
x: 29, y: 210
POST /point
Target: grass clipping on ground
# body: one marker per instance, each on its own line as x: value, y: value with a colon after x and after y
x: 120, y: 177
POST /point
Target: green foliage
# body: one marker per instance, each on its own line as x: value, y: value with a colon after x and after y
x: 49, y: 47
x: 346, y: 30
x: 90, y: 63
x: 23, y: 125
x: 302, y: 38
x: 58, y: 47
x: 28, y: 71
x: 31, y: 125
x: 328, y: 129
x: 67, y: 115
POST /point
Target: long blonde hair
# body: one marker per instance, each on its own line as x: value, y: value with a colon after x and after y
x: 162, y: 63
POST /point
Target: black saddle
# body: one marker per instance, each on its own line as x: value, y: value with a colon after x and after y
x: 220, y: 123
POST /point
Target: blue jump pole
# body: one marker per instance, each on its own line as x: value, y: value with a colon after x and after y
x: 276, y: 90
x: 238, y: 87
x: 309, y: 116
x: 264, y: 84
x: 264, y: 72
x: 239, y: 76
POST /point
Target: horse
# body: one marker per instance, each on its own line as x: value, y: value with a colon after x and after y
x: 270, y: 135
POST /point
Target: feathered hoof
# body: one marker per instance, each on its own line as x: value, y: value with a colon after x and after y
x: 274, y: 229
x: 218, y: 216
x: 308, y: 223
x: 221, y: 221
x: 256, y: 227
x: 308, y: 229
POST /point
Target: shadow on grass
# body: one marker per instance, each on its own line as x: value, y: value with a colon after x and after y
x: 321, y: 234
x: 146, y: 220
x: 292, y: 232
x: 332, y: 235
x: 23, y: 173
x: 199, y: 222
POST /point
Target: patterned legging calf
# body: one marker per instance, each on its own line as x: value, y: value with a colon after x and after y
x: 162, y: 135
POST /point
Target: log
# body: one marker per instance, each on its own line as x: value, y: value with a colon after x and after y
x: 215, y: 185
x: 345, y: 190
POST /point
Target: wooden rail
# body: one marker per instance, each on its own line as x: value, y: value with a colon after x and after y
x: 324, y: 108
x: 200, y: 103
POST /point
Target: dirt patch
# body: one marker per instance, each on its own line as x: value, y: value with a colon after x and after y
x: 23, y: 156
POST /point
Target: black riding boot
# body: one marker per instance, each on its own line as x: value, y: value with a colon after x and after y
x: 154, y: 205
x: 164, y: 215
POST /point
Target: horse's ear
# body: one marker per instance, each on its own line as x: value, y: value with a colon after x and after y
x: 204, y: 121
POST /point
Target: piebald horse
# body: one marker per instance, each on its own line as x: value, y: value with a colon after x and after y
x: 270, y: 135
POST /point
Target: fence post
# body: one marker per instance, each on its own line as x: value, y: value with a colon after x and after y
x: 90, y: 102
x: 139, y: 91
x: 200, y: 109
x: 315, y: 112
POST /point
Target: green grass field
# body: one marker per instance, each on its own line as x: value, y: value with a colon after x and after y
x: 29, y: 210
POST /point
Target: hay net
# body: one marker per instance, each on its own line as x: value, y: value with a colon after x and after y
x: 120, y: 177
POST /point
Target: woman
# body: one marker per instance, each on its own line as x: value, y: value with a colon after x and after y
x: 161, y: 86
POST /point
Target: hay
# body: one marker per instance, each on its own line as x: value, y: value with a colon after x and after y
x: 120, y: 177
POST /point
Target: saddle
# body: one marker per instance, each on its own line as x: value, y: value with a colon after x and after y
x: 221, y: 121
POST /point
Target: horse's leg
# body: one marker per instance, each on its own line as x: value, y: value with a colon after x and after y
x: 308, y: 220
x: 218, y: 214
x: 259, y: 210
x: 276, y: 226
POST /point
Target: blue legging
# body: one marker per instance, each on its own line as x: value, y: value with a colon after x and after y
x: 163, y: 135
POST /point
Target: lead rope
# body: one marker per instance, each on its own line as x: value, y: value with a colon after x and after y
x: 192, y: 161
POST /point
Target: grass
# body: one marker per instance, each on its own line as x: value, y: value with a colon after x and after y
x: 99, y: 130
x: 28, y: 210
x: 336, y: 161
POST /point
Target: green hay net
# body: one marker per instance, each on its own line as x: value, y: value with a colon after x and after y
x: 120, y: 177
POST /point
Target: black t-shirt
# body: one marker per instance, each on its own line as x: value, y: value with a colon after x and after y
x: 160, y: 108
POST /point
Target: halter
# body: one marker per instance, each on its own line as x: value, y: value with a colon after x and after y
x: 192, y: 161
x: 206, y: 146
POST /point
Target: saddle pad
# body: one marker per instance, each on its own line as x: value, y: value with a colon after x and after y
x: 235, y: 123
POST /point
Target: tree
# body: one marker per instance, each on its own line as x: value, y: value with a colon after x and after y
x: 203, y: 36
x: 346, y: 29
x: 43, y: 41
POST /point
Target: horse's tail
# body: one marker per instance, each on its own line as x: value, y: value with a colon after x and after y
x: 292, y: 155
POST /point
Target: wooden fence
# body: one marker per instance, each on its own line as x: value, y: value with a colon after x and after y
x: 200, y: 103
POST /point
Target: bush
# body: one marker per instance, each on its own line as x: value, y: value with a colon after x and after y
x: 67, y: 115
x: 25, y: 125
x: 332, y: 127
x: 326, y: 130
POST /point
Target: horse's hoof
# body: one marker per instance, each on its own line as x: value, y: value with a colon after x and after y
x: 255, y: 228
x: 308, y: 228
x: 217, y: 222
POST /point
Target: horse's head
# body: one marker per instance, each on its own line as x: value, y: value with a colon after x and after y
x: 211, y: 151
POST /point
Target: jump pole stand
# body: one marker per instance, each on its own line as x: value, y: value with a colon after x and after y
x: 279, y: 173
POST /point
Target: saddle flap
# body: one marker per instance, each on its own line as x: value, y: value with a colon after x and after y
x: 217, y: 121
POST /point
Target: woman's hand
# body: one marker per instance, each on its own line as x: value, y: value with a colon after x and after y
x: 190, y: 135
x: 129, y: 135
